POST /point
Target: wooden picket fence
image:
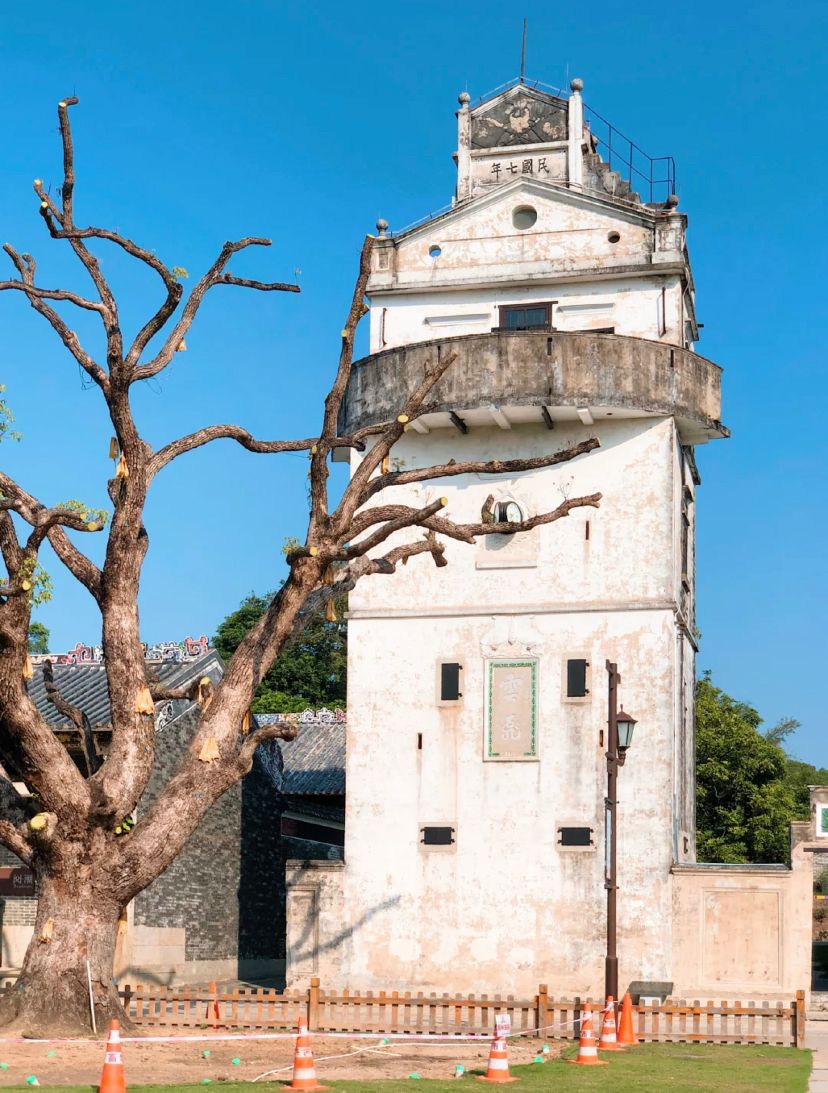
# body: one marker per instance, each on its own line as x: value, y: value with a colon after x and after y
x: 403, y: 1012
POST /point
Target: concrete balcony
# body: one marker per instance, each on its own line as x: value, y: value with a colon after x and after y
x: 513, y: 379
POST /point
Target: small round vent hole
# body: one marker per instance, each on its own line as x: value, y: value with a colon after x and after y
x: 524, y: 216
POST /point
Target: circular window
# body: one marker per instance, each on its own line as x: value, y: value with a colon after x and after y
x: 524, y: 216
x: 508, y: 512
x: 614, y: 237
x: 434, y: 252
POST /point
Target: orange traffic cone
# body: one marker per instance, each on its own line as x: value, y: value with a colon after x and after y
x: 498, y: 1069
x: 587, y: 1050
x: 304, y: 1069
x: 626, y: 1029
x: 609, y: 1040
x: 112, y: 1075
x: 213, y: 1007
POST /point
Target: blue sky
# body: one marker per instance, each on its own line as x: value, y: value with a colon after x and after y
x: 203, y: 122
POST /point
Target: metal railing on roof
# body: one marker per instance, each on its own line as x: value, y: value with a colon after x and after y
x: 538, y: 85
x: 653, y: 177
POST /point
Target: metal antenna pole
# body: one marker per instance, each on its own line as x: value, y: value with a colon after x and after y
x: 523, y: 54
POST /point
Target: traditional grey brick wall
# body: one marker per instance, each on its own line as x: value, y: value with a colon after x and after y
x: 223, y: 888
x: 14, y: 910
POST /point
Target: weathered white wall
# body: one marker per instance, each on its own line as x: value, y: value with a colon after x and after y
x: 317, y: 923
x: 506, y: 906
x: 631, y: 307
x: 629, y: 557
x: 742, y: 930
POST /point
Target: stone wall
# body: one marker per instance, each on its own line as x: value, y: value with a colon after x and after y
x: 218, y: 911
x: 742, y: 930
x: 217, y: 907
x: 315, y: 921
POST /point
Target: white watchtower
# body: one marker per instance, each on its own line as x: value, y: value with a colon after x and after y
x: 477, y: 693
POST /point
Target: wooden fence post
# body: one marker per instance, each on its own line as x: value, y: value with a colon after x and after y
x: 799, y: 1019
x: 127, y: 998
x: 313, y: 1004
x: 542, y: 1011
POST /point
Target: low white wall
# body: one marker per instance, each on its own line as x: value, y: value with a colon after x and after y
x: 742, y: 931
x: 315, y: 922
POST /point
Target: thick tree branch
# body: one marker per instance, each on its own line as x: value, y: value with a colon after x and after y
x: 210, y: 433
x: 52, y: 294
x: 76, y: 715
x: 213, y: 276
x: 283, y: 730
x: 357, y: 492
x: 48, y: 522
x: 260, y: 286
x: 82, y: 568
x: 27, y: 267
x: 16, y: 842
x: 392, y: 519
x: 492, y: 466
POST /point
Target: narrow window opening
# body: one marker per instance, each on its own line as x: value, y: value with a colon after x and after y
x: 450, y: 682
x: 575, y: 836
x: 522, y: 317
x: 576, y: 678
x: 437, y: 836
x: 586, y: 531
x: 419, y: 741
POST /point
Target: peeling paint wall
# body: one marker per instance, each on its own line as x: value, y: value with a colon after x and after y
x: 742, y: 930
x: 506, y: 906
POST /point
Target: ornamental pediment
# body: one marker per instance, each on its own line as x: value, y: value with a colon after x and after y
x: 519, y: 117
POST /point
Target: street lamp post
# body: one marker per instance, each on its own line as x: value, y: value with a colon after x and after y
x: 620, y: 728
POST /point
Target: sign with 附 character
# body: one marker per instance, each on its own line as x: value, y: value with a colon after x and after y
x: 16, y: 881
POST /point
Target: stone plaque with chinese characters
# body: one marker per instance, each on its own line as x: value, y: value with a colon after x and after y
x: 511, y: 709
x: 497, y: 169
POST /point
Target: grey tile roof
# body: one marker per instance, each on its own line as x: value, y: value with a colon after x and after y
x: 85, y: 686
x: 314, y: 763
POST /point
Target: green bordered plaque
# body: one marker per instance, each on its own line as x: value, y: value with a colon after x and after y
x: 511, y: 730
x: 822, y: 820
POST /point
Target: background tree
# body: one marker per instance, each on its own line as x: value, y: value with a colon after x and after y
x: 798, y: 777
x: 744, y: 802
x: 86, y: 873
x: 310, y: 671
x: 38, y: 638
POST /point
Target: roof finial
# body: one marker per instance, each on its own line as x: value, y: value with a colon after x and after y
x: 523, y: 53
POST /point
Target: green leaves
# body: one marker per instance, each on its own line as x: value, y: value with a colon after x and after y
x: 86, y: 512
x: 310, y: 672
x: 39, y: 583
x: 38, y: 638
x: 6, y: 419
x: 743, y: 802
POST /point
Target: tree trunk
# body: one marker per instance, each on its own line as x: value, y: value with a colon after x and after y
x: 75, y: 924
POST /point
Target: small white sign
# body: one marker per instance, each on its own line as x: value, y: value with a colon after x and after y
x: 503, y: 1024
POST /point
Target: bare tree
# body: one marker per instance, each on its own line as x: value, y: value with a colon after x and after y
x: 85, y: 873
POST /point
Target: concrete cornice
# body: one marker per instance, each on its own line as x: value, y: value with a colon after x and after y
x: 508, y: 609
x: 475, y: 280
x: 643, y: 214
x: 750, y: 868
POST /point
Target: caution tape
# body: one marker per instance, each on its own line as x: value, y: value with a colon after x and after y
x: 410, y: 1037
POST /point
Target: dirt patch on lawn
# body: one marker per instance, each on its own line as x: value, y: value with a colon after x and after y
x: 79, y: 1062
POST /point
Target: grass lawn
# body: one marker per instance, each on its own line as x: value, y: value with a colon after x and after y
x: 651, y: 1068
